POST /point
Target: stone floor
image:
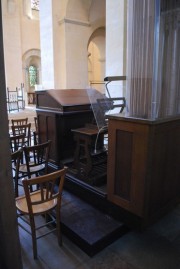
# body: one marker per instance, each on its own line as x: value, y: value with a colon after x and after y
x: 29, y: 112
x: 156, y: 248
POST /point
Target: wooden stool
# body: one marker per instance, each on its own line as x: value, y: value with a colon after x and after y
x: 89, y: 141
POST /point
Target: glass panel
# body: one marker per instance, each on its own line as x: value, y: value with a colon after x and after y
x: 32, y: 76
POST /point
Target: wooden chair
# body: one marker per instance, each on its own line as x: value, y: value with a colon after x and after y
x: 23, y: 129
x: 16, y: 158
x: 17, y: 142
x: 36, y: 123
x: 19, y: 121
x: 42, y: 201
x: 35, y: 133
x: 36, y: 159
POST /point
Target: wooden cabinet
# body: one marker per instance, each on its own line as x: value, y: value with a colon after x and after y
x: 58, y: 112
x: 144, y: 165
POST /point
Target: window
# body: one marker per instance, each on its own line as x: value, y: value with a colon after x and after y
x: 33, y: 79
x: 35, y: 4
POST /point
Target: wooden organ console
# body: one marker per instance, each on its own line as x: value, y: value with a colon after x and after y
x: 143, y: 155
x: 61, y: 114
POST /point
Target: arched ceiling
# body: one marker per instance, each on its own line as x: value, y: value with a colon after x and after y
x: 86, y: 10
x: 78, y: 9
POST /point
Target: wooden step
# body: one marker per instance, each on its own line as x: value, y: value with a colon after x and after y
x: 89, y: 228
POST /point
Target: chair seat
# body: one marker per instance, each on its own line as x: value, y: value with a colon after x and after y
x: 21, y: 204
x: 33, y: 169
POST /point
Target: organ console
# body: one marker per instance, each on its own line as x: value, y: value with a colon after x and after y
x: 58, y: 112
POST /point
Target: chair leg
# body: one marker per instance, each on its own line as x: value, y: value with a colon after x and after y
x: 58, y: 227
x: 16, y: 187
x: 34, y: 240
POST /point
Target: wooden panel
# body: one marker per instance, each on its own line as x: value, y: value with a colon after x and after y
x: 47, y: 123
x: 165, y: 184
x: 69, y: 100
x: 143, y: 166
x: 127, y: 157
x: 43, y: 101
x: 42, y: 127
x: 123, y: 159
x: 52, y: 135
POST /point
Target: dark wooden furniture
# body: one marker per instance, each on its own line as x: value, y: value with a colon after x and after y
x: 35, y: 133
x: 31, y: 98
x: 90, y: 153
x: 144, y: 166
x: 19, y: 121
x: 16, y: 158
x: 36, y: 160
x: 16, y: 142
x: 23, y: 129
x: 58, y: 112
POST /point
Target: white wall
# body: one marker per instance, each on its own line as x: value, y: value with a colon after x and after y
x: 67, y: 34
x: 21, y: 33
x: 47, y: 50
x: 12, y: 44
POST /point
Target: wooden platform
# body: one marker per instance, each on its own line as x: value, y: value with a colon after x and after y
x: 87, y: 227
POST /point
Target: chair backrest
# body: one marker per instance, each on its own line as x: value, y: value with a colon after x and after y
x: 19, y: 121
x: 50, y: 187
x: 17, y: 142
x: 35, y: 133
x: 36, y: 123
x: 23, y: 129
x: 37, y: 156
x: 16, y: 158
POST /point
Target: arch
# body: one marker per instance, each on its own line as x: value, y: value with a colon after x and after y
x: 31, y: 58
x: 31, y: 53
x: 91, y: 11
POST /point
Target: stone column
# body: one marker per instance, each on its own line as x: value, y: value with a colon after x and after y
x: 10, y: 254
x: 12, y: 43
x: 116, y: 28
x: 63, y: 47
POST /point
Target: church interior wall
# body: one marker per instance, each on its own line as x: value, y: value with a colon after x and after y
x: 21, y: 33
x: 68, y: 59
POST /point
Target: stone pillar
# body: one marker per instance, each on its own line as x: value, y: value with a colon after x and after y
x: 47, y: 43
x: 10, y: 254
x: 12, y: 43
x: 77, y: 33
x: 63, y: 47
x: 116, y: 28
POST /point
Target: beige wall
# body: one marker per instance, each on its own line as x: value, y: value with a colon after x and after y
x: 68, y: 37
x: 21, y: 34
x: 68, y: 34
